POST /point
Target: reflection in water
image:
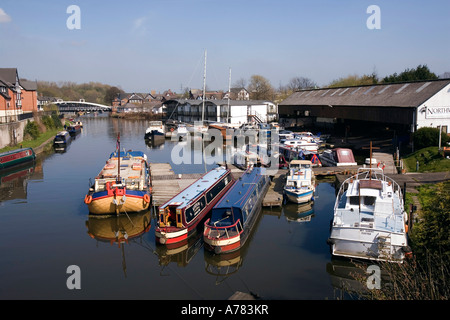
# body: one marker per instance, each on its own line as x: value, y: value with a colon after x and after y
x: 222, y: 265
x: 180, y: 253
x: 299, y: 213
x: 14, y: 181
x: 119, y: 229
x: 349, y: 277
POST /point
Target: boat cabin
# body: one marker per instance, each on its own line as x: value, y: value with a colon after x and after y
x: 182, y: 209
x: 238, y: 203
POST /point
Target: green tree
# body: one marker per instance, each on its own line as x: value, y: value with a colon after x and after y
x: 110, y: 94
x: 431, y: 235
x: 422, y: 72
x: 428, y: 137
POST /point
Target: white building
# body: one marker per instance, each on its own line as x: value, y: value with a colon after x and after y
x: 234, y: 112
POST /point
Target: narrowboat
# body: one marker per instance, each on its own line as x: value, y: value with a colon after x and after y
x: 122, y: 186
x: 180, y: 216
x: 155, y: 131
x: 369, y: 221
x: 74, y: 129
x: 11, y: 158
x: 62, y: 138
x: 234, y: 216
x: 299, y: 187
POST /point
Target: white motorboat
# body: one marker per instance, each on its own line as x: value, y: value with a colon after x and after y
x: 369, y: 218
x: 299, y: 186
x: 300, y: 144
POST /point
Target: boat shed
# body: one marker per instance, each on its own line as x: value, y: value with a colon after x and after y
x: 405, y: 106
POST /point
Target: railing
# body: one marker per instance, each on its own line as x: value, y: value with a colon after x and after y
x: 237, y: 226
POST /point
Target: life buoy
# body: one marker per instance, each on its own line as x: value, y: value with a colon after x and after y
x: 88, y: 199
x: 382, y: 164
x: 171, y: 129
x: 147, y: 198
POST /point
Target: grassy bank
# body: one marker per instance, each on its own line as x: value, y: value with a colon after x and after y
x: 430, y: 160
x: 33, y: 143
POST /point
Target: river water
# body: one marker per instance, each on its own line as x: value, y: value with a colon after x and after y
x: 45, y: 228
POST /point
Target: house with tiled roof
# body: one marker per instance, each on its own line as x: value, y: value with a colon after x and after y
x: 17, y: 96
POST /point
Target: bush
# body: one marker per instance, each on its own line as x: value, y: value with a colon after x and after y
x: 429, y: 137
x: 31, y: 130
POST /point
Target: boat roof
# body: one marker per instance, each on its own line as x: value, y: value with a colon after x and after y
x: 15, y: 151
x: 128, y: 153
x: 300, y: 162
x: 237, y: 194
x: 183, y: 198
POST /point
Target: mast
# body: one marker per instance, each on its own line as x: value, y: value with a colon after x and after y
x: 204, y: 91
x: 229, y: 93
x: 118, y: 158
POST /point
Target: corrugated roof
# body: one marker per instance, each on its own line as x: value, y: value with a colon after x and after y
x: 410, y: 94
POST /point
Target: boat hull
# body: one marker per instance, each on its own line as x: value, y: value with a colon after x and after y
x: 171, y: 235
x: 112, y: 204
x: 368, y: 244
x: 16, y: 157
x: 299, y: 197
x: 222, y: 240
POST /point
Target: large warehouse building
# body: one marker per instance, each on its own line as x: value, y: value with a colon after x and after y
x: 404, y: 107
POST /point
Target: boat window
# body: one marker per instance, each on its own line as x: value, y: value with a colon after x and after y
x: 354, y: 200
x: 369, y: 201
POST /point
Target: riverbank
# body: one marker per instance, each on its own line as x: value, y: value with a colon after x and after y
x: 39, y: 145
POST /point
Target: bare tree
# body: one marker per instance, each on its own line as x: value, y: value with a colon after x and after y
x: 241, y: 83
x: 298, y: 83
x: 260, y: 88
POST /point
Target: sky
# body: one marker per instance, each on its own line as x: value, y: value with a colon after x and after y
x: 158, y: 45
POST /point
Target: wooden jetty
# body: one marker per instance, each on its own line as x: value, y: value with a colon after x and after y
x: 166, y: 184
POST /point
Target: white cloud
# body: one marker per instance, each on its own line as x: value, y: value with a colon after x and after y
x: 4, y: 18
x: 139, y: 26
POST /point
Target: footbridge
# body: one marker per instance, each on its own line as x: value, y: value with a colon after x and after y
x: 80, y: 105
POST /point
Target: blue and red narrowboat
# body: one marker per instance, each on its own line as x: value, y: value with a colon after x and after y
x: 234, y: 216
x: 180, y: 216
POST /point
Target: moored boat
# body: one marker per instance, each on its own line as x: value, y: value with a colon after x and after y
x: 369, y: 218
x: 338, y: 157
x: 122, y: 186
x: 300, y: 144
x: 155, y: 131
x: 11, y: 158
x: 180, y: 216
x: 234, y: 216
x: 74, y: 129
x: 61, y: 139
x: 299, y: 187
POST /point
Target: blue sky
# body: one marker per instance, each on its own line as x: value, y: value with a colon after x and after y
x: 158, y: 45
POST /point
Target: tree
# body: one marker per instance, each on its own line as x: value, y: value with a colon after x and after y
x: 354, y: 80
x: 111, y: 93
x: 299, y: 83
x: 422, y: 72
x: 428, y: 137
x: 260, y: 88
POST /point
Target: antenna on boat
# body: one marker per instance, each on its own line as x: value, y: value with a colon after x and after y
x: 118, y: 158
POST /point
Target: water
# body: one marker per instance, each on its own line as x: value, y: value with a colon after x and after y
x: 45, y: 228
